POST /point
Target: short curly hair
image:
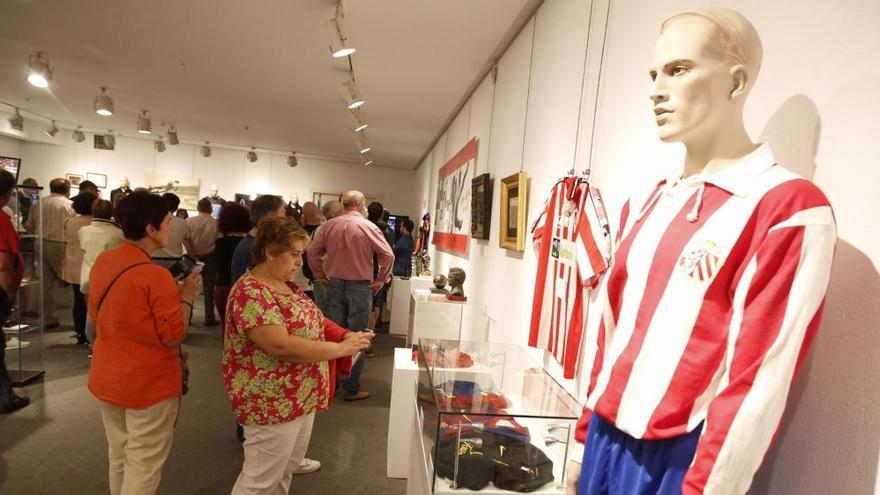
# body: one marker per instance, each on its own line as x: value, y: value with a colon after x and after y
x: 233, y: 218
x: 138, y: 210
x: 276, y: 235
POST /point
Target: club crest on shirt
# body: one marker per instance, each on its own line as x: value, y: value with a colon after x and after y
x: 702, y: 263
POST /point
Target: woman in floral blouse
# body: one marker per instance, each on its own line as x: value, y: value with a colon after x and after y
x: 279, y: 353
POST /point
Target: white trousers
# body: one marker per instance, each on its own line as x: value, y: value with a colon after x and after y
x: 271, y: 455
x: 138, y: 442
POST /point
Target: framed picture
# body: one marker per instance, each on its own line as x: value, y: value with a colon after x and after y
x: 100, y: 180
x: 514, y: 202
x: 481, y: 206
x: 186, y: 188
x: 11, y: 165
x: 74, y: 179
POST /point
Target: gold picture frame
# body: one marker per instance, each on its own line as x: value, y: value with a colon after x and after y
x: 514, y: 206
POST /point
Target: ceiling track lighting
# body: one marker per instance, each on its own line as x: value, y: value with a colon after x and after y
x: 206, y: 150
x: 252, y: 155
x: 353, y: 95
x: 39, y: 71
x: 104, y: 104
x: 159, y: 145
x: 366, y: 159
x: 340, y: 45
x: 78, y: 135
x: 357, y: 122
x: 172, y: 136
x: 362, y: 144
x: 17, y: 121
x: 52, y: 130
x: 144, y: 124
x: 292, y: 161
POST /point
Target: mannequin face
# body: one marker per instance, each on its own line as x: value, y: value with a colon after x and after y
x: 123, y: 182
x: 215, y: 191
x: 693, y: 84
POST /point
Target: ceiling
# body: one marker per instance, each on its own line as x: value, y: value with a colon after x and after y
x: 213, y: 67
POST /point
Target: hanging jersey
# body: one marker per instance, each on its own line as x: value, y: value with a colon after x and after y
x: 714, y: 295
x: 571, y: 240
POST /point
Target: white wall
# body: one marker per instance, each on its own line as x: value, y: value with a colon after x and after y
x: 229, y: 169
x: 10, y: 147
x: 814, y: 102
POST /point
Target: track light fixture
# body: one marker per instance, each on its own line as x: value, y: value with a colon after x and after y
x: 172, y: 136
x: 104, y: 104
x: 159, y: 145
x: 292, y: 161
x: 144, y: 125
x: 52, y: 130
x: 39, y: 72
x: 206, y: 150
x: 78, y: 135
x: 353, y: 96
x: 16, y: 121
x: 357, y: 122
x: 366, y: 159
x: 252, y: 155
x: 340, y: 45
x: 362, y: 144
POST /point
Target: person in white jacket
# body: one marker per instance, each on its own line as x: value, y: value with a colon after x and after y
x: 102, y: 234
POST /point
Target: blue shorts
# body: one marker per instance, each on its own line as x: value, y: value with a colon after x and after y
x: 617, y: 464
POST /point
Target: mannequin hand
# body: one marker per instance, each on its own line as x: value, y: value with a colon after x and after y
x: 573, y: 474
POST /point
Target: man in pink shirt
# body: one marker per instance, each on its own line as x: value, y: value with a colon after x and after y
x: 358, y: 264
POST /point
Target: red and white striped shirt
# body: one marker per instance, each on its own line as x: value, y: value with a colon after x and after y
x: 713, y: 298
x: 572, y: 243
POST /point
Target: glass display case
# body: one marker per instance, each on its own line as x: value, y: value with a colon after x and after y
x: 24, y: 327
x: 492, y: 420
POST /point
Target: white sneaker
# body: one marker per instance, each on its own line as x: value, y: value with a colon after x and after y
x: 307, y: 466
x: 13, y: 344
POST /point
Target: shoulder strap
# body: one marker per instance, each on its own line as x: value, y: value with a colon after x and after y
x: 107, y: 291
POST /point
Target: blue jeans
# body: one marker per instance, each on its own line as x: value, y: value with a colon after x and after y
x: 349, y: 303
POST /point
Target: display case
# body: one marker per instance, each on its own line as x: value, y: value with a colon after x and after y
x: 490, y: 420
x: 24, y: 350
x: 433, y: 316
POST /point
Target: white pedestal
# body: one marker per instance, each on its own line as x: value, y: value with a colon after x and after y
x: 420, y: 473
x: 399, y: 300
x: 432, y: 316
x: 400, y: 417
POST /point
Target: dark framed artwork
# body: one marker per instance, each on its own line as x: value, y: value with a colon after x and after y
x: 514, y: 197
x: 481, y: 206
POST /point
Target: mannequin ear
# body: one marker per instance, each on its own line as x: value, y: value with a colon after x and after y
x: 739, y: 81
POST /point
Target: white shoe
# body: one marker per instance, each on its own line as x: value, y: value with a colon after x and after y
x: 13, y: 344
x: 307, y: 466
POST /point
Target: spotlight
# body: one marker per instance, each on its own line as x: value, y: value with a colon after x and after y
x: 292, y: 161
x: 206, y: 150
x: 339, y: 43
x: 39, y: 72
x: 362, y: 144
x: 159, y: 145
x: 16, y: 121
x: 252, y: 155
x: 353, y: 98
x: 52, y: 130
x: 172, y: 136
x: 366, y: 160
x: 356, y: 122
x: 104, y: 104
x: 78, y: 135
x: 144, y: 125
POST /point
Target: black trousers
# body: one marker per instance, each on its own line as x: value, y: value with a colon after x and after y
x: 5, y: 381
x: 79, y: 313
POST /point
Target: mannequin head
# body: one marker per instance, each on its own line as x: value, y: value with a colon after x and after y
x: 123, y: 182
x: 705, y: 63
x: 215, y: 191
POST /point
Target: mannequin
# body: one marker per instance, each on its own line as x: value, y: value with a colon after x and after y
x: 715, y: 290
x: 216, y: 201
x: 124, y: 188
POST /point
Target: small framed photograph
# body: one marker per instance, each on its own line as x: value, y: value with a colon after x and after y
x: 74, y: 179
x: 481, y: 206
x: 514, y: 203
x: 100, y: 180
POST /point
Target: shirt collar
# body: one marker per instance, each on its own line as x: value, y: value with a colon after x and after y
x: 737, y: 178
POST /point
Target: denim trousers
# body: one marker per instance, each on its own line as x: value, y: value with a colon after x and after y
x: 349, y: 303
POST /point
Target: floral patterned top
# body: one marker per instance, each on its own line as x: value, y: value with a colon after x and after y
x: 265, y: 390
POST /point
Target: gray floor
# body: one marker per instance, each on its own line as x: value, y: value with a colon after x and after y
x: 57, y: 446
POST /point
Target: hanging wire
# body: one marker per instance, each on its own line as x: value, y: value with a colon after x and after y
x: 528, y: 90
